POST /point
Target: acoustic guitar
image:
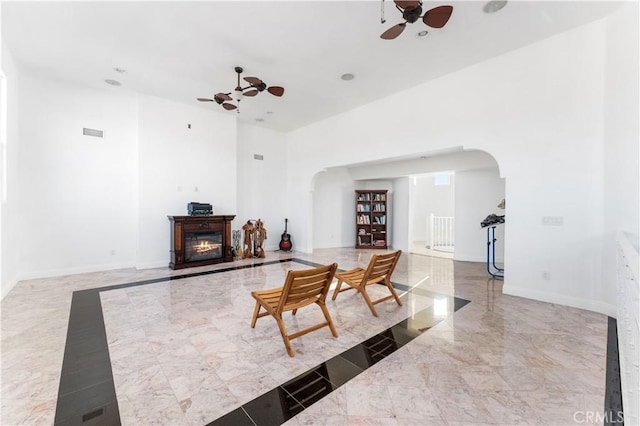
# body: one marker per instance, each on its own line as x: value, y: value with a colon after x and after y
x: 285, y: 238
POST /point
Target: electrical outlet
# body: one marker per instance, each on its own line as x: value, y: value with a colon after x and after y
x: 546, y: 275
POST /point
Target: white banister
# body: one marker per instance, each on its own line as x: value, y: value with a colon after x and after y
x: 628, y: 325
x: 441, y: 232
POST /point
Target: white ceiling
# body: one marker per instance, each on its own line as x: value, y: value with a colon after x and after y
x: 183, y: 50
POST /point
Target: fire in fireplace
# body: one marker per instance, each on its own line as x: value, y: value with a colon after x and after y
x: 202, y: 246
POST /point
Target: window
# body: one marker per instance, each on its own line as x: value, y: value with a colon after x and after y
x: 442, y: 179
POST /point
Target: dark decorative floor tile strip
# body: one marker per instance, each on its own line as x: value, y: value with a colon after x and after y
x: 86, y: 394
x: 282, y: 403
x: 613, y: 414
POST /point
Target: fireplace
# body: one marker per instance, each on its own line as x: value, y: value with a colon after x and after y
x: 200, y: 240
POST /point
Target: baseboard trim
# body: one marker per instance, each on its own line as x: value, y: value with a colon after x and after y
x: 74, y: 271
x: 561, y: 299
x: 152, y: 264
x: 6, y: 289
x: 479, y: 259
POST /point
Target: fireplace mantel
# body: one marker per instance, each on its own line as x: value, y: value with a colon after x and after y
x: 183, y: 227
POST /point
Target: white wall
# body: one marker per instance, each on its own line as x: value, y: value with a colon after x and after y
x: 78, y: 193
x: 178, y: 164
x: 477, y: 195
x: 334, y: 221
x: 90, y: 203
x: 262, y: 183
x: 401, y: 211
x: 621, y: 149
x: 10, y: 207
x: 539, y: 112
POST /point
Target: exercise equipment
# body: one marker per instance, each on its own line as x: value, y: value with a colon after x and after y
x: 490, y: 222
x: 496, y: 272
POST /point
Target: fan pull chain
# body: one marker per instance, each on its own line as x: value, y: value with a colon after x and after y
x: 382, y: 20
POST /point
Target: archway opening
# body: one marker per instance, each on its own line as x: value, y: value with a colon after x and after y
x: 474, y: 191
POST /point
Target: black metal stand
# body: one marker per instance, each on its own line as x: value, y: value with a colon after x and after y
x: 492, y: 268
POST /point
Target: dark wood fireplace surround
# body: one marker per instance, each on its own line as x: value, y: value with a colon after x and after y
x: 181, y: 225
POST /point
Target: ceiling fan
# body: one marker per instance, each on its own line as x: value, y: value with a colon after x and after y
x: 411, y: 11
x: 255, y: 86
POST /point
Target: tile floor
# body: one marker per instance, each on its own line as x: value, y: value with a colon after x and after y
x: 175, y: 348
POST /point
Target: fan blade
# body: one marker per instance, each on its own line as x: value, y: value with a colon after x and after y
x: 438, y: 16
x: 407, y: 4
x: 394, y: 31
x: 228, y: 107
x: 205, y: 100
x: 224, y: 96
x: 250, y: 93
x: 255, y: 81
x: 276, y: 90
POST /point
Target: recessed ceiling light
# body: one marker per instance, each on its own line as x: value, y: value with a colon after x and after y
x: 423, y: 33
x: 120, y: 70
x: 494, y: 5
x: 113, y: 82
x: 269, y: 112
x: 347, y: 77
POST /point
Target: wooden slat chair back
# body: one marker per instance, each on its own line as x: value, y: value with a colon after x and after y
x: 301, y: 288
x: 380, y: 269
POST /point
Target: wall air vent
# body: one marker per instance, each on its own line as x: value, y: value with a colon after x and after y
x: 93, y: 132
x: 258, y: 157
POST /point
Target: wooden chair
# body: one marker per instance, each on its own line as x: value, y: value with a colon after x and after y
x: 301, y: 288
x: 380, y: 268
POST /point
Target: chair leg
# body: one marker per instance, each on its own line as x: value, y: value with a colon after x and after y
x: 285, y: 336
x: 337, y: 290
x: 393, y: 292
x: 256, y: 310
x: 367, y: 299
x: 325, y: 311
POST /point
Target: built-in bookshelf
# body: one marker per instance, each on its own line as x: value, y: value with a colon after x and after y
x: 371, y: 219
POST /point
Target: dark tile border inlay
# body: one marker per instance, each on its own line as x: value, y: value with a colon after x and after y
x: 87, y: 390
x: 613, y: 414
x: 303, y: 391
x: 86, y: 380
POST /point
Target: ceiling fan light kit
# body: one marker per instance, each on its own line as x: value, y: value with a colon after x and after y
x: 255, y: 86
x: 494, y: 5
x: 412, y: 11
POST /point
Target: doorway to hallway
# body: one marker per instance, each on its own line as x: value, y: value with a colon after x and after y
x: 432, y: 217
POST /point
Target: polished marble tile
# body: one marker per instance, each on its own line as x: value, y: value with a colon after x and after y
x: 181, y: 350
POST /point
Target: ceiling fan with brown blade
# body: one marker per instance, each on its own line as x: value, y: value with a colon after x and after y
x: 411, y: 11
x: 255, y: 86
